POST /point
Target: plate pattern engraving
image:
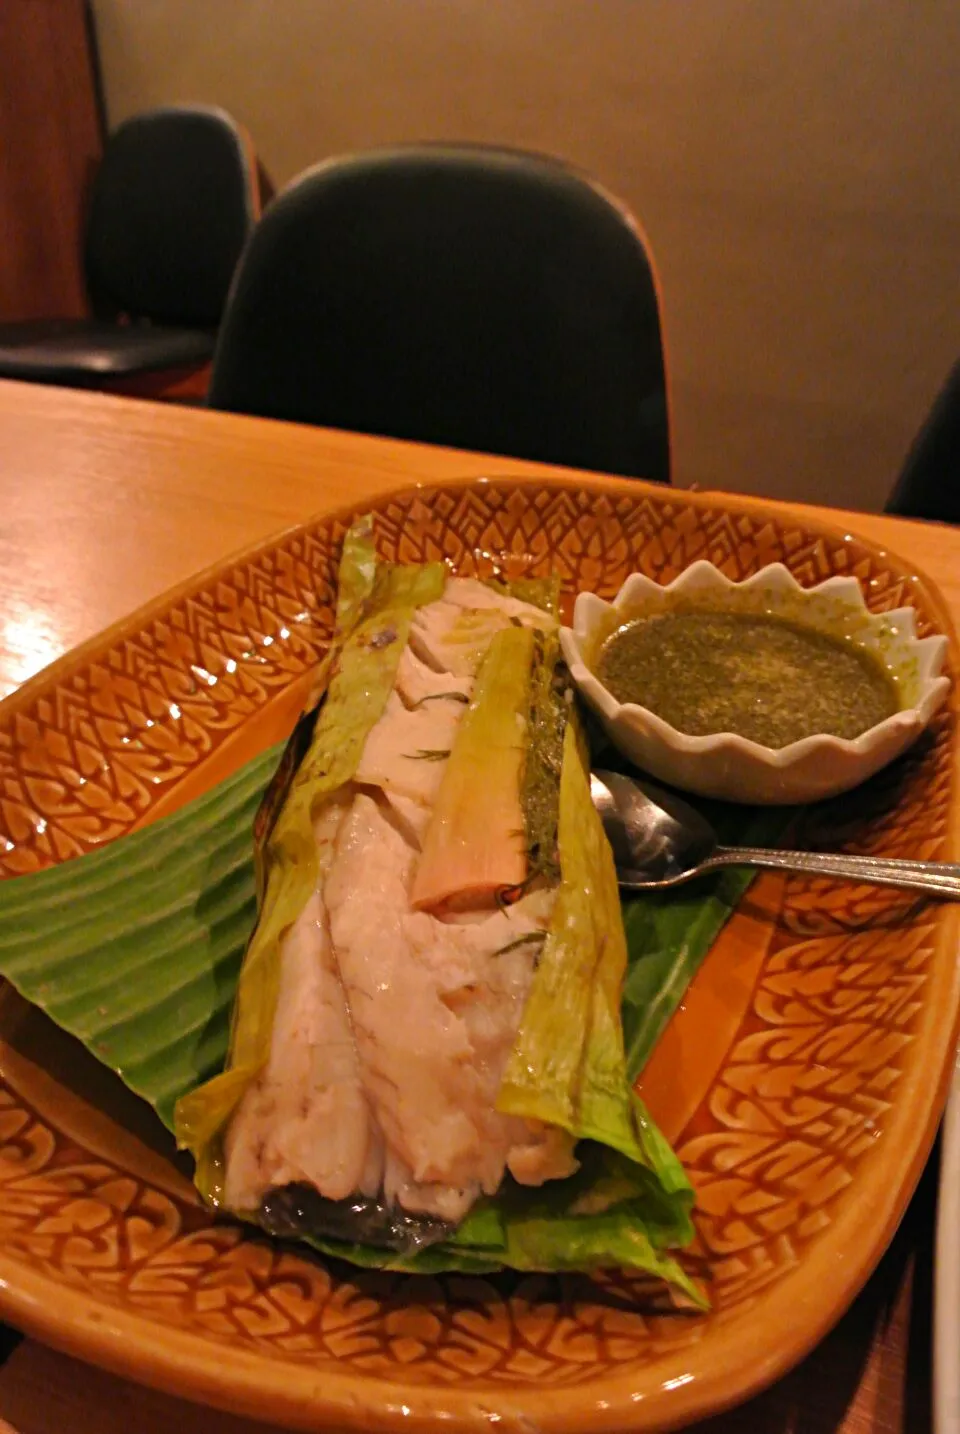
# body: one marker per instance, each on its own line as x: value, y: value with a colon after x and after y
x: 790, y: 1123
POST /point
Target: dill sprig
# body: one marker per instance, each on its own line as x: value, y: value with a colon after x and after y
x: 441, y: 697
x: 529, y: 939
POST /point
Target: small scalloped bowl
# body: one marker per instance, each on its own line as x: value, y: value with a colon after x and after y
x: 731, y: 767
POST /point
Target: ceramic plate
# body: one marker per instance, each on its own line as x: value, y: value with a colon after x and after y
x: 801, y: 1083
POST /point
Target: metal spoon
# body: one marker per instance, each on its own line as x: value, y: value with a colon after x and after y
x: 659, y: 841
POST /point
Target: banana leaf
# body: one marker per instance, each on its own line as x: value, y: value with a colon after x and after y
x: 670, y: 932
x: 148, y: 979
x: 550, y: 699
x: 135, y: 949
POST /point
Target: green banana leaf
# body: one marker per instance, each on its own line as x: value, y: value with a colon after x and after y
x: 149, y: 978
x: 560, y: 1226
x: 147, y: 981
x: 168, y: 910
x: 540, y: 794
x: 568, y: 1067
x: 670, y: 932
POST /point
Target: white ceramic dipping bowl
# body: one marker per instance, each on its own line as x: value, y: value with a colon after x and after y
x: 731, y: 767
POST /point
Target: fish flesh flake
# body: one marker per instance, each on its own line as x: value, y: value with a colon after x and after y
x: 394, y: 1025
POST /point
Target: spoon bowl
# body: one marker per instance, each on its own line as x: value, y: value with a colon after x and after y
x: 657, y: 838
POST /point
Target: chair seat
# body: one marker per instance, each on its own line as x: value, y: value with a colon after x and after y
x: 71, y: 350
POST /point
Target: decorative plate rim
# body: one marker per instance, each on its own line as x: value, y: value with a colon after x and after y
x: 164, y: 1357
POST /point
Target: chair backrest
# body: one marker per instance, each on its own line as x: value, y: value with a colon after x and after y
x: 173, y: 202
x: 460, y: 295
x: 929, y: 482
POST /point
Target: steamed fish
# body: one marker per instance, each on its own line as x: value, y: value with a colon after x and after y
x: 426, y: 1065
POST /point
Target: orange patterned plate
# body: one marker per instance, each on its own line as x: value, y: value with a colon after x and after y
x: 801, y: 1082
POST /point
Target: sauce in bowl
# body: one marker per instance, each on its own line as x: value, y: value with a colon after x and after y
x: 762, y: 677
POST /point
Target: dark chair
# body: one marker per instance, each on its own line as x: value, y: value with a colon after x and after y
x: 9, y: 1339
x: 929, y: 482
x: 172, y: 204
x: 474, y: 297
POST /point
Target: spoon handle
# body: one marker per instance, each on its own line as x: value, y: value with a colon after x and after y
x: 936, y: 878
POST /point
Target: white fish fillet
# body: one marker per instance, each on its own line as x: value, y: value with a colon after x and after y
x: 400, y: 754
x: 418, y: 683
x: 435, y: 1009
x: 306, y: 1118
x: 452, y: 634
x: 393, y: 1026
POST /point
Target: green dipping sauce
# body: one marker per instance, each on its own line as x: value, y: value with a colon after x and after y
x: 762, y: 677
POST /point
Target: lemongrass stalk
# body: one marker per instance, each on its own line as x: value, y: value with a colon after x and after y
x: 475, y: 844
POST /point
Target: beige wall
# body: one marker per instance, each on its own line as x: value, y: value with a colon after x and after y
x: 795, y: 164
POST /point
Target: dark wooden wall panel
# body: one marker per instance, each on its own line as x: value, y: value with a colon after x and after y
x: 50, y: 141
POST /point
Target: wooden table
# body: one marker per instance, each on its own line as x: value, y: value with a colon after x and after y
x: 105, y: 502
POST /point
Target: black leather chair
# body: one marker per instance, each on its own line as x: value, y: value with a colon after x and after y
x: 172, y: 204
x: 929, y: 482
x: 461, y: 295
